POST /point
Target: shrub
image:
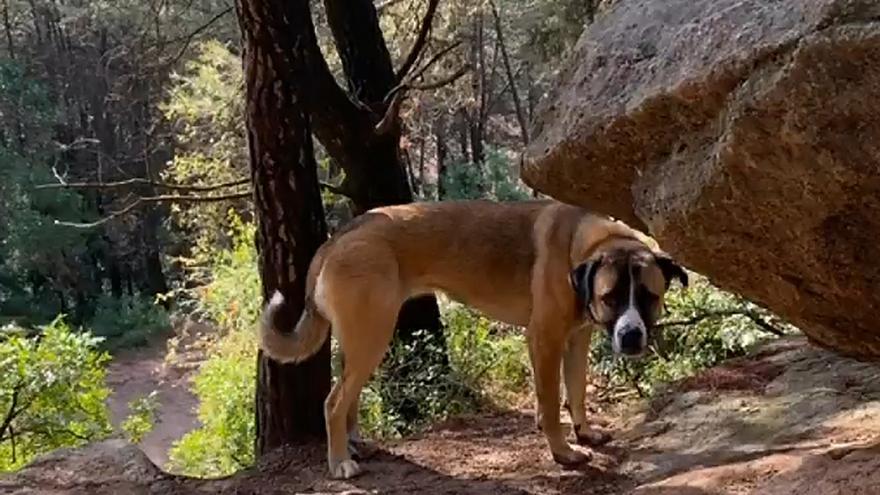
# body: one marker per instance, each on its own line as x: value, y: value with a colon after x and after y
x: 494, y: 179
x: 129, y: 321
x: 225, y: 383
x: 225, y: 386
x: 702, y: 327
x: 52, y: 389
x: 141, y: 418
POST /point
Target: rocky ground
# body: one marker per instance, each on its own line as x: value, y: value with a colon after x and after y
x: 790, y: 419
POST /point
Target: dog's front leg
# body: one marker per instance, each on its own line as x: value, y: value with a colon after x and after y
x: 574, y: 364
x: 546, y: 345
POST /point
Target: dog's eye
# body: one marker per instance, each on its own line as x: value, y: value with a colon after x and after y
x: 609, y: 300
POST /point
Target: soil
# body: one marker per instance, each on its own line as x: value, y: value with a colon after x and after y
x: 789, y: 419
x: 136, y: 374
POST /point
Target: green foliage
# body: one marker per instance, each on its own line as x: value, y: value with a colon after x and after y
x: 206, y: 106
x: 487, y: 356
x: 703, y: 326
x: 496, y: 179
x: 226, y: 381
x: 52, y: 390
x: 37, y: 257
x: 225, y: 386
x: 141, y: 418
x: 488, y: 363
x: 128, y: 321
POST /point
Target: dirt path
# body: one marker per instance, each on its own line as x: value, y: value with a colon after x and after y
x: 135, y: 374
x: 790, y: 420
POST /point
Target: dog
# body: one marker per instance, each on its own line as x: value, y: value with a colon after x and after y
x: 554, y: 268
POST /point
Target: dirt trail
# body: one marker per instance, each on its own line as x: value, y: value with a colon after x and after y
x: 135, y: 374
x: 790, y: 420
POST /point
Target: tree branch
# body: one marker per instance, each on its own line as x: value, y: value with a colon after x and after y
x: 751, y: 315
x: 155, y: 199
x: 334, y: 189
x: 382, y: 7
x: 441, y: 82
x: 141, y: 181
x: 393, y: 110
x: 419, y: 45
x: 434, y: 58
x: 399, y: 93
x: 191, y: 36
x: 13, y: 410
x: 520, y: 113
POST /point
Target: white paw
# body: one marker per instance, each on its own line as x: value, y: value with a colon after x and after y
x: 344, y: 469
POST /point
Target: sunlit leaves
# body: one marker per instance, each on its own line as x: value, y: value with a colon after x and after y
x: 52, y: 392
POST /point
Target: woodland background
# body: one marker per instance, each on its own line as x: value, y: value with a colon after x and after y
x: 133, y: 209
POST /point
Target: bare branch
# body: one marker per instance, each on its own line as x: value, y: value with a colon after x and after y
x: 520, y: 113
x: 189, y: 38
x: 13, y: 411
x: 751, y: 315
x: 398, y: 94
x: 141, y: 181
x: 421, y: 39
x: 434, y: 58
x: 155, y: 199
x: 339, y: 190
x: 390, y: 117
x: 382, y: 7
x: 441, y: 82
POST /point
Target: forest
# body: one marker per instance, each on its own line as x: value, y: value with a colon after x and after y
x: 158, y: 158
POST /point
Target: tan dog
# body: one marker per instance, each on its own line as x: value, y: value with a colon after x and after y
x: 544, y: 265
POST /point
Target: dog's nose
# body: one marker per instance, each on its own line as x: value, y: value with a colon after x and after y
x: 631, y: 341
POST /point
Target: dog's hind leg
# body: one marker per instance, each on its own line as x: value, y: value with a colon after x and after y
x: 574, y: 365
x: 364, y: 330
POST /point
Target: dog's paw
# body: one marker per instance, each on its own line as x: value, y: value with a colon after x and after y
x: 593, y: 437
x: 344, y: 469
x: 571, y: 457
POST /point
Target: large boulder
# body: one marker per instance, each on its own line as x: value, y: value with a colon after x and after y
x: 745, y: 136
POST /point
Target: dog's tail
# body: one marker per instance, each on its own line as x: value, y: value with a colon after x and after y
x: 292, y: 346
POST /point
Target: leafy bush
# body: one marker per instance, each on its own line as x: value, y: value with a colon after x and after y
x: 128, y: 321
x: 52, y: 391
x: 488, y: 363
x: 225, y: 386
x: 495, y: 179
x: 226, y: 381
x: 142, y: 417
x: 703, y: 326
x: 488, y: 356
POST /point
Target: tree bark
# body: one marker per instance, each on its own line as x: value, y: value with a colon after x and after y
x: 289, y: 398
x: 511, y: 80
x: 7, y: 26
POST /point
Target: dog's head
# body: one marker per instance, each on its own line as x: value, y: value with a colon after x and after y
x: 622, y: 288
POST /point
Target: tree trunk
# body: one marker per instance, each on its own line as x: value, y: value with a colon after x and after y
x: 7, y: 26
x: 289, y: 398
x: 375, y: 174
x: 511, y: 80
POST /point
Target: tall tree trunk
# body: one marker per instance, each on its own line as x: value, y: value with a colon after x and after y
x: 289, y: 398
x: 511, y: 80
x: 7, y: 26
x: 442, y: 151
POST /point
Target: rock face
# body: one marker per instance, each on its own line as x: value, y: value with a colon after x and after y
x: 745, y: 136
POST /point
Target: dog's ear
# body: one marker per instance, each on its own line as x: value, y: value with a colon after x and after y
x: 582, y: 279
x: 671, y: 269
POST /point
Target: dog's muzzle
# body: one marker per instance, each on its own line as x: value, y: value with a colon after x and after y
x: 630, y: 336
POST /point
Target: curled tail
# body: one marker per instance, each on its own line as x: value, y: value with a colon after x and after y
x: 290, y: 347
